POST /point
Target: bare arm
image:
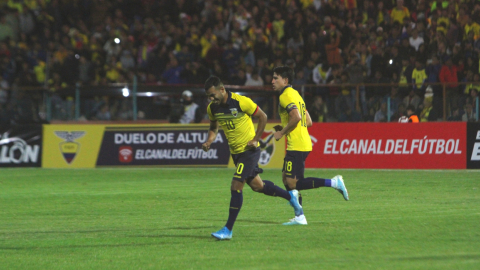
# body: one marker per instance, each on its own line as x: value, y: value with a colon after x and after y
x: 309, y: 119
x: 262, y: 122
x: 212, y: 134
x: 294, y: 118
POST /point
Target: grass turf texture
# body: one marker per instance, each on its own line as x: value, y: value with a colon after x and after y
x: 162, y: 219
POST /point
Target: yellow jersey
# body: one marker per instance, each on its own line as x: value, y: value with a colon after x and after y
x: 398, y: 15
x: 419, y: 76
x: 299, y: 138
x: 235, y: 118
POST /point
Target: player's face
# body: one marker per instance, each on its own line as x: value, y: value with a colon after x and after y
x: 279, y: 82
x: 216, y: 96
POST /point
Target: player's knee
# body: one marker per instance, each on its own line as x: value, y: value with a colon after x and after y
x: 291, y: 183
x: 257, y: 187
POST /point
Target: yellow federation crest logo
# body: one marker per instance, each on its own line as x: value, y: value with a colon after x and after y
x: 69, y: 148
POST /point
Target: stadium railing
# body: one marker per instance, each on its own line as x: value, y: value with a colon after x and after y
x: 133, y: 101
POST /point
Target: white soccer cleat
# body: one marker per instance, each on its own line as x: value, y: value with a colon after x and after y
x: 300, y: 220
x: 341, y: 186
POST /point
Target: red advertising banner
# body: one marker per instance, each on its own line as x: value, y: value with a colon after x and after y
x: 439, y: 145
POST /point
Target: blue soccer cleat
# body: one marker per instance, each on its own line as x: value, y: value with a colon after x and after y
x: 223, y: 234
x: 300, y: 220
x: 341, y: 186
x: 295, y: 203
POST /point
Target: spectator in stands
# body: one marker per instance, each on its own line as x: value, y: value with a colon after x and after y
x: 255, y: 79
x: 412, y: 100
x: 399, y: 12
x: 317, y: 32
x: 469, y: 115
x: 448, y: 74
x: 192, y: 112
x: 428, y: 113
x: 239, y: 78
x: 381, y: 114
x: 173, y: 72
x: 104, y: 113
x: 318, y: 110
x: 418, y: 76
x: 415, y: 40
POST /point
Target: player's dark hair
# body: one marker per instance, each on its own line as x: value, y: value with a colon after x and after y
x: 213, y: 81
x: 285, y: 72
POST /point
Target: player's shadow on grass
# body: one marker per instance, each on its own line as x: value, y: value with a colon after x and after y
x: 106, y: 230
x: 243, y: 221
x: 84, y: 246
x: 173, y: 236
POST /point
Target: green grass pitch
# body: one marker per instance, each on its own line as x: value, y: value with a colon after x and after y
x: 162, y: 219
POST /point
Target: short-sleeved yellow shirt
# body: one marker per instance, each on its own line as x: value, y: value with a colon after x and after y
x: 398, y: 15
x: 419, y: 76
x: 299, y: 138
x: 235, y: 117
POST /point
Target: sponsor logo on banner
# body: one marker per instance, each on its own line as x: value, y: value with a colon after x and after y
x: 397, y: 147
x: 69, y: 148
x: 125, y: 154
x: 473, y: 146
x: 147, y: 146
x: 20, y: 146
x: 16, y: 150
x: 388, y: 145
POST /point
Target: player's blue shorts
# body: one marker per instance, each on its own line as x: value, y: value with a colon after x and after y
x: 294, y: 164
x: 246, y: 164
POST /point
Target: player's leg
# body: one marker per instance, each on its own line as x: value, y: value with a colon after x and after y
x: 236, y: 200
x: 267, y: 187
x: 250, y: 172
x: 292, y: 168
x: 313, y: 182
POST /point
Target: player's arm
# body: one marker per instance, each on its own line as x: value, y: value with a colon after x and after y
x: 309, y: 119
x: 262, y: 122
x: 293, y: 119
x: 212, y: 134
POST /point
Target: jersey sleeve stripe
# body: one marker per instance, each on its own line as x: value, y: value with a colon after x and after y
x: 256, y: 110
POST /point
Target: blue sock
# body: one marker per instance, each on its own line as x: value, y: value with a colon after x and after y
x: 235, y: 205
x: 270, y: 189
x: 312, y: 182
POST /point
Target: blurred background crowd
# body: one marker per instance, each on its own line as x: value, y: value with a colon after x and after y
x: 355, y: 60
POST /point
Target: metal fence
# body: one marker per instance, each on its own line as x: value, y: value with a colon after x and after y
x: 134, y: 101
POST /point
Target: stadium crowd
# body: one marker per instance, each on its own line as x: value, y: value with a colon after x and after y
x: 337, y: 47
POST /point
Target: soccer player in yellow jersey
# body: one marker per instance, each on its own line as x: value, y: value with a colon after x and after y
x: 295, y: 120
x: 234, y: 113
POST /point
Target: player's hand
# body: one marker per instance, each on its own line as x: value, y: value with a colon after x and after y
x: 206, y: 146
x: 278, y: 135
x: 278, y: 128
x: 252, y: 143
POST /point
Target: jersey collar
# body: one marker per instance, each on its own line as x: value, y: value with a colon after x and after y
x: 281, y: 92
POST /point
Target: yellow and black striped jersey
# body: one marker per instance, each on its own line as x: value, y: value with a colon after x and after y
x: 299, y: 138
x: 235, y: 119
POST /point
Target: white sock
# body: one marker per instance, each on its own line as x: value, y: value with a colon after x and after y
x: 333, y: 183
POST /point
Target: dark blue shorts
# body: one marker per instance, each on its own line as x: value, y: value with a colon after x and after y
x: 294, y: 164
x: 246, y: 164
